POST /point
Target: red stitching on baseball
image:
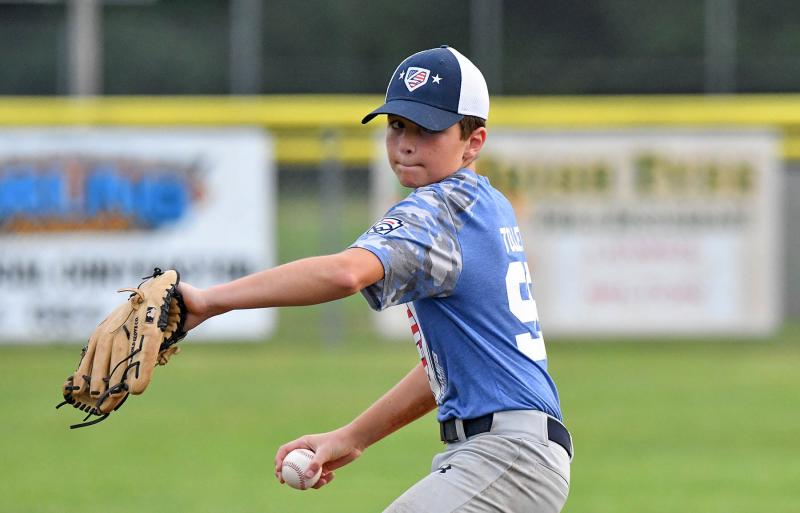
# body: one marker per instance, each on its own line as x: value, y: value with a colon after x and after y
x: 297, y: 469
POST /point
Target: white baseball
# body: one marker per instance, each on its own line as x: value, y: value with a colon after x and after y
x: 294, y: 469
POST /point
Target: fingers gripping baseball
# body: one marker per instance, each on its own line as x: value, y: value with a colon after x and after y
x: 331, y: 451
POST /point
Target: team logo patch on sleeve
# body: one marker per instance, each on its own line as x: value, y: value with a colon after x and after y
x: 386, y: 225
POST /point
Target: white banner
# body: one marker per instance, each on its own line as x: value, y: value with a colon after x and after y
x: 648, y: 232
x: 86, y: 211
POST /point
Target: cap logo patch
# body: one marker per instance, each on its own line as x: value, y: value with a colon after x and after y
x: 416, y: 77
x: 386, y: 225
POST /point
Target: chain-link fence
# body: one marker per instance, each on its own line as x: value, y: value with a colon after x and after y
x: 321, y: 210
x: 325, y: 189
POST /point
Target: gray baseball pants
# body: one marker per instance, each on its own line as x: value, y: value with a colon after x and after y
x: 512, y: 468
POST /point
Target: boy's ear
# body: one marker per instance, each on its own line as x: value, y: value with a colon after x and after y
x: 475, y: 143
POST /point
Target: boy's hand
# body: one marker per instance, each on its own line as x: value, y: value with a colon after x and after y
x: 331, y: 450
x: 197, y: 307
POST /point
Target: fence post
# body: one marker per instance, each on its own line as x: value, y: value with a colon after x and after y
x: 720, y: 46
x: 332, y: 198
x: 246, y: 56
x: 84, y: 39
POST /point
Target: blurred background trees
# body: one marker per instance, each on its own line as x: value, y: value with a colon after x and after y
x: 349, y: 46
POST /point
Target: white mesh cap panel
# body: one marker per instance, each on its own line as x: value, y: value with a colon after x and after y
x: 474, y: 99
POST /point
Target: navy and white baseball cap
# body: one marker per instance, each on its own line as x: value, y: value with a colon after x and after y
x: 435, y: 89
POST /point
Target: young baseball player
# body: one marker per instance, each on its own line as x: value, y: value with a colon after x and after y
x: 450, y: 252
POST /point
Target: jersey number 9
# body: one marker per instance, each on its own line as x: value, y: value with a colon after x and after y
x: 518, y: 279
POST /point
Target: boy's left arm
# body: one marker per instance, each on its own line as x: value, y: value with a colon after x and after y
x: 308, y: 281
x: 408, y: 400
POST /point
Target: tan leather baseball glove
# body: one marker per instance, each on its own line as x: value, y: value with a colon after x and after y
x: 126, y: 346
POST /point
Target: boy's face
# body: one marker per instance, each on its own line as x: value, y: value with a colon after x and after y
x: 419, y: 157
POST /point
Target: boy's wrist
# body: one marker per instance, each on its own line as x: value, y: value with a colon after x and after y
x: 214, y: 302
x: 357, y: 438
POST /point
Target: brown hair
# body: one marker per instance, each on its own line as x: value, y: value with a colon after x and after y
x: 468, y: 125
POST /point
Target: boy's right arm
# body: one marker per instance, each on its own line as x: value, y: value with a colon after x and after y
x: 407, y: 401
x: 308, y: 281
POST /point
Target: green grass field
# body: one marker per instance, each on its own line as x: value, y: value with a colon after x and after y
x: 689, y: 426
x: 706, y: 426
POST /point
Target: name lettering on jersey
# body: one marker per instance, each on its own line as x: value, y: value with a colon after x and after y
x: 386, y: 225
x: 512, y: 238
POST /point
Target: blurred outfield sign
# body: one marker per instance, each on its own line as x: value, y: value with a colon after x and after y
x: 670, y: 232
x: 86, y: 211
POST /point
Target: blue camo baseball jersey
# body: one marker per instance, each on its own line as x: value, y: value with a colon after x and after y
x: 453, y: 254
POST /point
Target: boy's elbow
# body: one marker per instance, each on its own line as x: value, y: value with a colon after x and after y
x: 353, y: 270
x: 348, y: 282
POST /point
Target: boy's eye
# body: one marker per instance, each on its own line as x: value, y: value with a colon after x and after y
x: 399, y: 124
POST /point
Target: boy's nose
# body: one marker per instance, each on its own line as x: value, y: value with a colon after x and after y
x: 407, y: 144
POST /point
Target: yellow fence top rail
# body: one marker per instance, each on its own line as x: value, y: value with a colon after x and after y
x: 291, y: 115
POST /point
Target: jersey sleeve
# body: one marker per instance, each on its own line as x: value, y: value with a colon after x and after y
x: 417, y: 243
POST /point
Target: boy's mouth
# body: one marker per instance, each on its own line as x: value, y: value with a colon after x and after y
x: 401, y: 164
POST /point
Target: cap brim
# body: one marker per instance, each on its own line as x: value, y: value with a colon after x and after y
x: 430, y: 118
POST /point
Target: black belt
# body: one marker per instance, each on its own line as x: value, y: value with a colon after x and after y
x: 556, y: 432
